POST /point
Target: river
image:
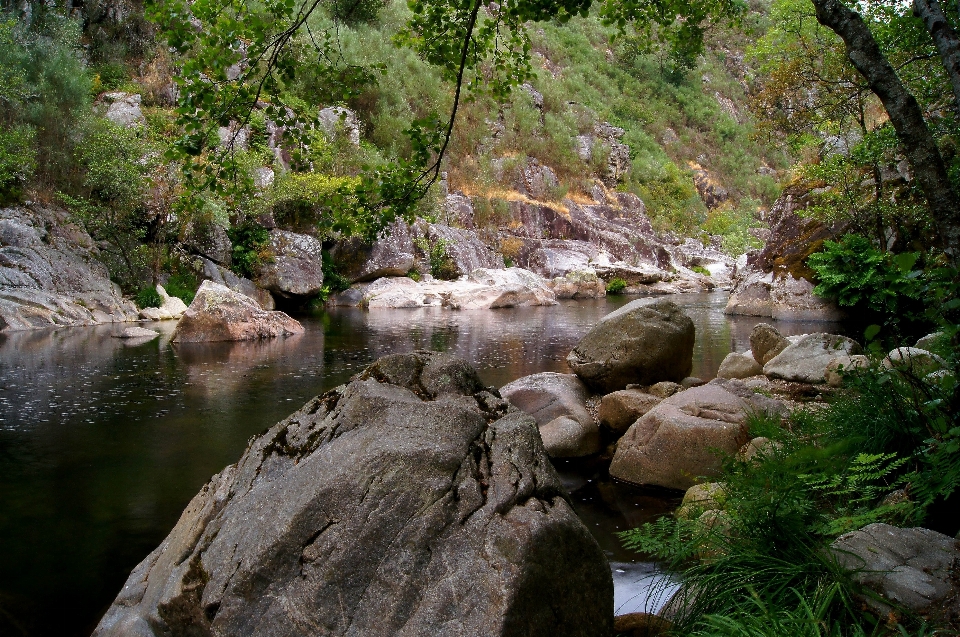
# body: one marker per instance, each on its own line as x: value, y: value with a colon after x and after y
x: 103, y: 444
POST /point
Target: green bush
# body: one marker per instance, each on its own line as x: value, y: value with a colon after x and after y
x: 884, y: 288
x: 318, y: 203
x: 148, y: 297
x: 699, y: 269
x: 183, y: 286
x: 251, y: 244
x: 616, y: 286
x: 441, y: 265
x: 18, y: 159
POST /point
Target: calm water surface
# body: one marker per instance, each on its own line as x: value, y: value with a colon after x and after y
x: 102, y: 444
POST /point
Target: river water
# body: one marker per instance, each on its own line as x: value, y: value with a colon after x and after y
x: 102, y: 444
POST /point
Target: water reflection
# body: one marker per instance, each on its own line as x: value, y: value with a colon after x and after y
x: 102, y: 443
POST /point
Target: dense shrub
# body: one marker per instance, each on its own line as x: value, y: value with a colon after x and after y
x: 251, y: 244
x: 616, y: 286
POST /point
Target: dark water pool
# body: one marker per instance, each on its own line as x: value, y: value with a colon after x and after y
x: 103, y: 444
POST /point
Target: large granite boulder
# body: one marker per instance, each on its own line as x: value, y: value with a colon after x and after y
x: 679, y: 440
x: 557, y: 402
x: 643, y: 343
x: 123, y: 109
x: 50, y: 275
x: 209, y: 240
x: 912, y: 568
x: 390, y: 255
x: 296, y: 269
x: 220, y: 314
x: 807, y: 359
x: 409, y: 502
x: 751, y: 294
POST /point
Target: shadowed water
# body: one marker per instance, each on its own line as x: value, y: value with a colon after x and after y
x: 102, y: 444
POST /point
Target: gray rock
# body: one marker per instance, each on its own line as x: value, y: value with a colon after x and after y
x: 766, y: 341
x: 751, y: 295
x: 557, y: 403
x: 622, y: 408
x: 578, y: 285
x: 209, y: 240
x: 907, y: 567
x: 336, y: 120
x: 841, y: 364
x: 916, y: 360
x: 50, y: 275
x: 643, y: 342
x: 390, y: 255
x: 806, y: 360
x: 217, y: 313
x: 171, y: 308
x: 124, y: 109
x: 739, y: 365
x: 137, y: 333
x: 677, y: 441
x: 410, y: 502
x: 296, y: 269
x: 222, y: 276
x: 793, y: 299
x: 931, y: 340
x: 664, y: 389
x: 464, y: 250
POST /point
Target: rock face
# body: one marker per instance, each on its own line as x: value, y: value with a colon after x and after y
x: 677, y: 441
x: 483, y: 289
x: 390, y: 255
x: 643, y: 342
x: 556, y: 402
x: 124, y: 109
x: 806, y: 360
x: 464, y: 250
x: 908, y: 567
x: 622, y: 408
x: 220, y: 314
x: 776, y: 281
x: 49, y: 275
x: 209, y: 240
x: 223, y: 276
x: 297, y: 265
x: 578, y: 285
x: 410, y: 502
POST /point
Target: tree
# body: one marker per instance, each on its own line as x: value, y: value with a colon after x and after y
x: 905, y: 114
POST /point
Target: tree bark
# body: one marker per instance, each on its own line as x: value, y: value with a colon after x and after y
x: 905, y: 115
x: 944, y: 37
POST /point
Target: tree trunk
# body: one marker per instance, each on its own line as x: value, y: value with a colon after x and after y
x: 905, y: 115
x: 948, y: 45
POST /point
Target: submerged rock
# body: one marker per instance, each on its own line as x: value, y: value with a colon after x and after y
x: 409, y: 502
x: 137, y: 333
x: 643, y: 342
x: 220, y: 314
x: 557, y: 403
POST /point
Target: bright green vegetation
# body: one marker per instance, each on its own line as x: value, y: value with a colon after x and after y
x: 616, y: 286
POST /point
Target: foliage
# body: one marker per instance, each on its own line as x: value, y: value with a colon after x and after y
x: 441, y: 265
x: 616, y: 285
x: 699, y: 269
x: 251, y: 248
x: 183, y: 285
x: 147, y: 297
x: 333, y: 281
x: 886, y: 288
x: 733, y: 224
x: 118, y: 166
x: 44, y: 96
x: 319, y: 203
